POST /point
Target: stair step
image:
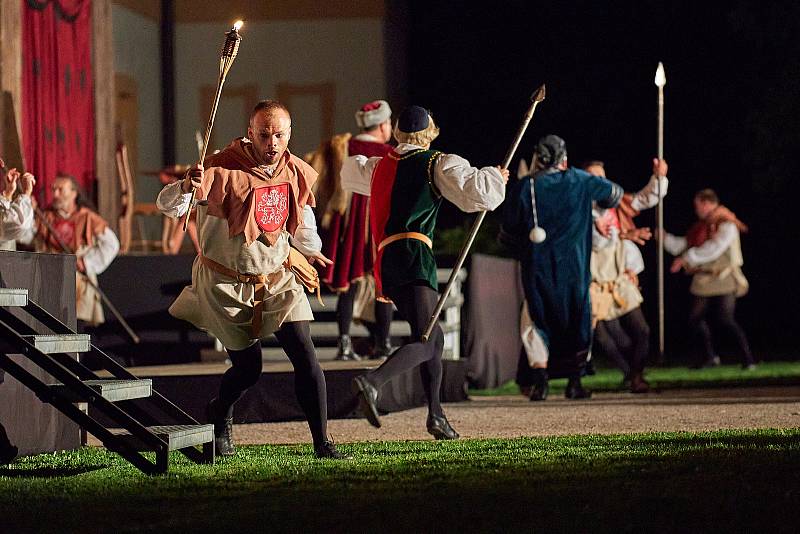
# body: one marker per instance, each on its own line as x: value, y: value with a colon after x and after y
x: 58, y: 343
x: 177, y: 436
x: 13, y: 296
x: 110, y: 389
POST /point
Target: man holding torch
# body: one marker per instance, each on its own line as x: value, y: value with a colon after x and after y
x: 257, y: 206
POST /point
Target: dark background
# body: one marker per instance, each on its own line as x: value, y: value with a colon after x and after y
x: 731, y: 115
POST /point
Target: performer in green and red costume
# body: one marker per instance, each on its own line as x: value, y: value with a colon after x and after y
x: 406, y: 188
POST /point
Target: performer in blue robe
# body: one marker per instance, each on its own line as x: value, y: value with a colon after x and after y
x: 555, y: 268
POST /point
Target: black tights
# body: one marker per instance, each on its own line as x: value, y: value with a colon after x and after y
x: 626, y: 340
x: 723, y: 307
x: 416, y: 304
x: 344, y: 315
x: 309, y: 381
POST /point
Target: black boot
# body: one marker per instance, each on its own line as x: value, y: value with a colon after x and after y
x: 382, y: 349
x: 223, y: 429
x: 367, y: 396
x: 575, y: 390
x: 327, y: 449
x: 540, y: 387
x: 440, y: 428
x: 345, y: 351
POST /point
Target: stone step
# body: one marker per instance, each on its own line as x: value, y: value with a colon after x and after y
x: 177, y: 436
x: 13, y: 296
x: 110, y: 389
x: 51, y: 343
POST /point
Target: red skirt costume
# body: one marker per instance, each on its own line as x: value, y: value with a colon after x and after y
x: 345, y: 234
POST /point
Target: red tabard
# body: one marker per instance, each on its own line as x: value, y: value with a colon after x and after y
x: 380, y: 203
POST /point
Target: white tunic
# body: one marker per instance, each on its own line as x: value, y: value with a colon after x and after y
x: 16, y: 221
x: 224, y: 307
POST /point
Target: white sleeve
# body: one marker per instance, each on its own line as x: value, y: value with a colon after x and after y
x: 649, y: 195
x: 674, y: 244
x: 100, y: 255
x: 633, y: 257
x: 356, y: 174
x: 305, y: 238
x: 16, y: 219
x: 714, y: 247
x: 469, y: 188
x: 172, y: 201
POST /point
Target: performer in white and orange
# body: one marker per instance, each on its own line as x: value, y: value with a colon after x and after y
x: 70, y: 226
x: 257, y: 204
x: 344, y: 225
x: 620, y: 328
x: 406, y: 188
x: 712, y: 253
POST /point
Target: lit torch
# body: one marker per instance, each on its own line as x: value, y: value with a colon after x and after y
x: 229, y: 50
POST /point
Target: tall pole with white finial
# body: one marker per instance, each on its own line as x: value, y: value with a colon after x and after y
x: 660, y: 81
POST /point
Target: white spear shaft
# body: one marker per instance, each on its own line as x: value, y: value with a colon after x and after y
x: 660, y: 81
x: 536, y: 97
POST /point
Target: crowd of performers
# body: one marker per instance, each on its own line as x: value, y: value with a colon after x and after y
x: 371, y: 239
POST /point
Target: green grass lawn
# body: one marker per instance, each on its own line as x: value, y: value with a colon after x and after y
x: 725, y: 481
x: 766, y: 374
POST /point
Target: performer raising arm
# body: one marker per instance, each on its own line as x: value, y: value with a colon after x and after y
x: 406, y: 188
x: 258, y: 202
x: 712, y: 253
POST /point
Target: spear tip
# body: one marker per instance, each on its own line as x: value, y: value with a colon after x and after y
x: 661, y: 78
x: 538, y: 95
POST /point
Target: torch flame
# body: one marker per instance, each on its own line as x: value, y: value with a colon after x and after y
x: 661, y: 78
x: 238, y: 25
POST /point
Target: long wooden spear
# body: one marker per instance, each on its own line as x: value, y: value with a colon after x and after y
x: 229, y: 50
x: 660, y: 81
x: 536, y: 97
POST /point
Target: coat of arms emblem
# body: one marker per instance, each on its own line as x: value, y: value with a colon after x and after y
x: 272, y: 206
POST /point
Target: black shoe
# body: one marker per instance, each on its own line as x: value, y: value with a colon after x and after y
x: 541, y: 387
x: 8, y: 453
x: 327, y: 449
x: 440, y: 428
x: 382, y: 349
x: 367, y: 400
x: 345, y: 349
x: 576, y: 391
x: 539, y: 392
x: 223, y: 430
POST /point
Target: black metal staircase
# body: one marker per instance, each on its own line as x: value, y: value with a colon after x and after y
x: 119, y: 398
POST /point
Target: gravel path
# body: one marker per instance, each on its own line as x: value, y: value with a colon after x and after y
x: 605, y: 413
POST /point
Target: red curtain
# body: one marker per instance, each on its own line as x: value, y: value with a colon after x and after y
x: 57, y: 89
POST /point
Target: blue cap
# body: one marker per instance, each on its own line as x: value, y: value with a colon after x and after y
x: 413, y: 119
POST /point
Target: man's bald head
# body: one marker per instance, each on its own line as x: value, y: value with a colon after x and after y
x: 270, y: 130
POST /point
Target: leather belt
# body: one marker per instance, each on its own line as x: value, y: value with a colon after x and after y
x: 259, y: 282
x: 406, y: 235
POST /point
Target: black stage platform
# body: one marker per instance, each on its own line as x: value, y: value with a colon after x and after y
x: 191, y: 386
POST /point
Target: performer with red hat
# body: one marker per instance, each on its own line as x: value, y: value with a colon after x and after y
x: 344, y: 228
